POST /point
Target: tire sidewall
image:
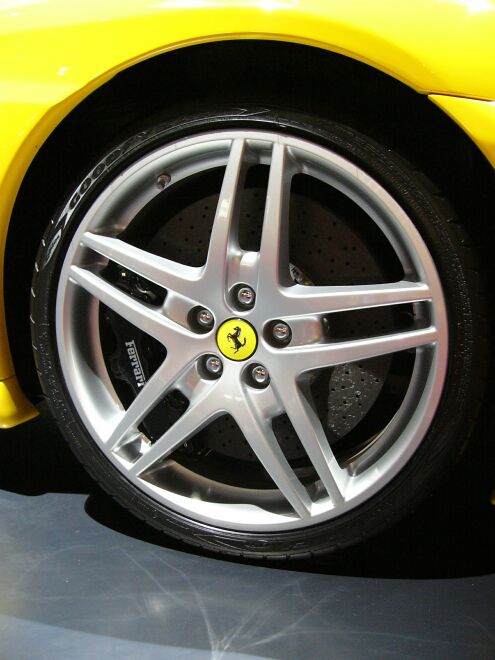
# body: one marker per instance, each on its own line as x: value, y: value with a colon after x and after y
x: 431, y: 215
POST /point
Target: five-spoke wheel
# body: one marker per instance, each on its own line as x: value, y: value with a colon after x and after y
x: 251, y: 333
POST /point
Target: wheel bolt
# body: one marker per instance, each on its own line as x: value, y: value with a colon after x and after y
x: 163, y: 180
x: 204, y: 318
x: 281, y: 332
x: 245, y: 295
x: 214, y: 365
x: 260, y: 375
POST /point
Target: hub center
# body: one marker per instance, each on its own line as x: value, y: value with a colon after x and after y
x: 237, y: 339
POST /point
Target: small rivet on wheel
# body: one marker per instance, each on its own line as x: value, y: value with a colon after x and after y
x: 214, y: 365
x: 260, y: 375
x: 163, y: 180
x: 205, y: 318
x: 281, y: 332
x: 246, y: 296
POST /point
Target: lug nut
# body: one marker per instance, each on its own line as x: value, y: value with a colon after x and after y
x: 281, y: 332
x: 245, y: 295
x: 205, y: 318
x: 214, y: 365
x: 260, y: 375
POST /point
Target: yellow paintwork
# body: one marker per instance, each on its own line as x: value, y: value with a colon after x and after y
x: 14, y: 407
x: 245, y: 335
x: 53, y: 53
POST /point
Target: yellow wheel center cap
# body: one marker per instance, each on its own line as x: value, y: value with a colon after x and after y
x: 237, y: 339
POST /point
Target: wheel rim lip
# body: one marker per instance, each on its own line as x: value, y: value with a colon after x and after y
x: 388, y: 466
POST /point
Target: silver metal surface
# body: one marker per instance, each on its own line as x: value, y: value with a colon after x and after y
x: 292, y: 503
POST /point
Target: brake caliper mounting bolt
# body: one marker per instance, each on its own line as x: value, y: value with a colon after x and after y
x: 214, y: 365
x: 204, y: 318
x: 163, y: 180
x: 260, y: 375
x: 281, y: 332
x: 246, y: 296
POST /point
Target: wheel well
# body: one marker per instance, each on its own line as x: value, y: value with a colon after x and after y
x: 268, y: 73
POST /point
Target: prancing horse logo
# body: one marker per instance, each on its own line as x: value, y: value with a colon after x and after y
x: 234, y: 338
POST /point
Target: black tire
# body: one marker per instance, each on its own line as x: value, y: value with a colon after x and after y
x: 456, y: 265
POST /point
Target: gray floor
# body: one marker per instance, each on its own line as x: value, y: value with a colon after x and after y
x: 81, y: 578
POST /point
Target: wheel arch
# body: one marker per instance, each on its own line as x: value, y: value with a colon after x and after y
x: 274, y: 72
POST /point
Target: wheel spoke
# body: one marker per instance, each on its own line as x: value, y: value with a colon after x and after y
x: 316, y: 356
x: 258, y: 432
x: 163, y: 459
x: 200, y: 412
x: 155, y: 389
x: 171, y: 275
x: 274, y: 248
x: 224, y: 250
x: 143, y: 317
x: 312, y: 436
x: 297, y: 300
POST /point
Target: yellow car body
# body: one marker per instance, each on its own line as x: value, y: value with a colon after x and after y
x: 54, y: 53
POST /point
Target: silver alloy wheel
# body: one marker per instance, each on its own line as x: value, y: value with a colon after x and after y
x: 338, y: 487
